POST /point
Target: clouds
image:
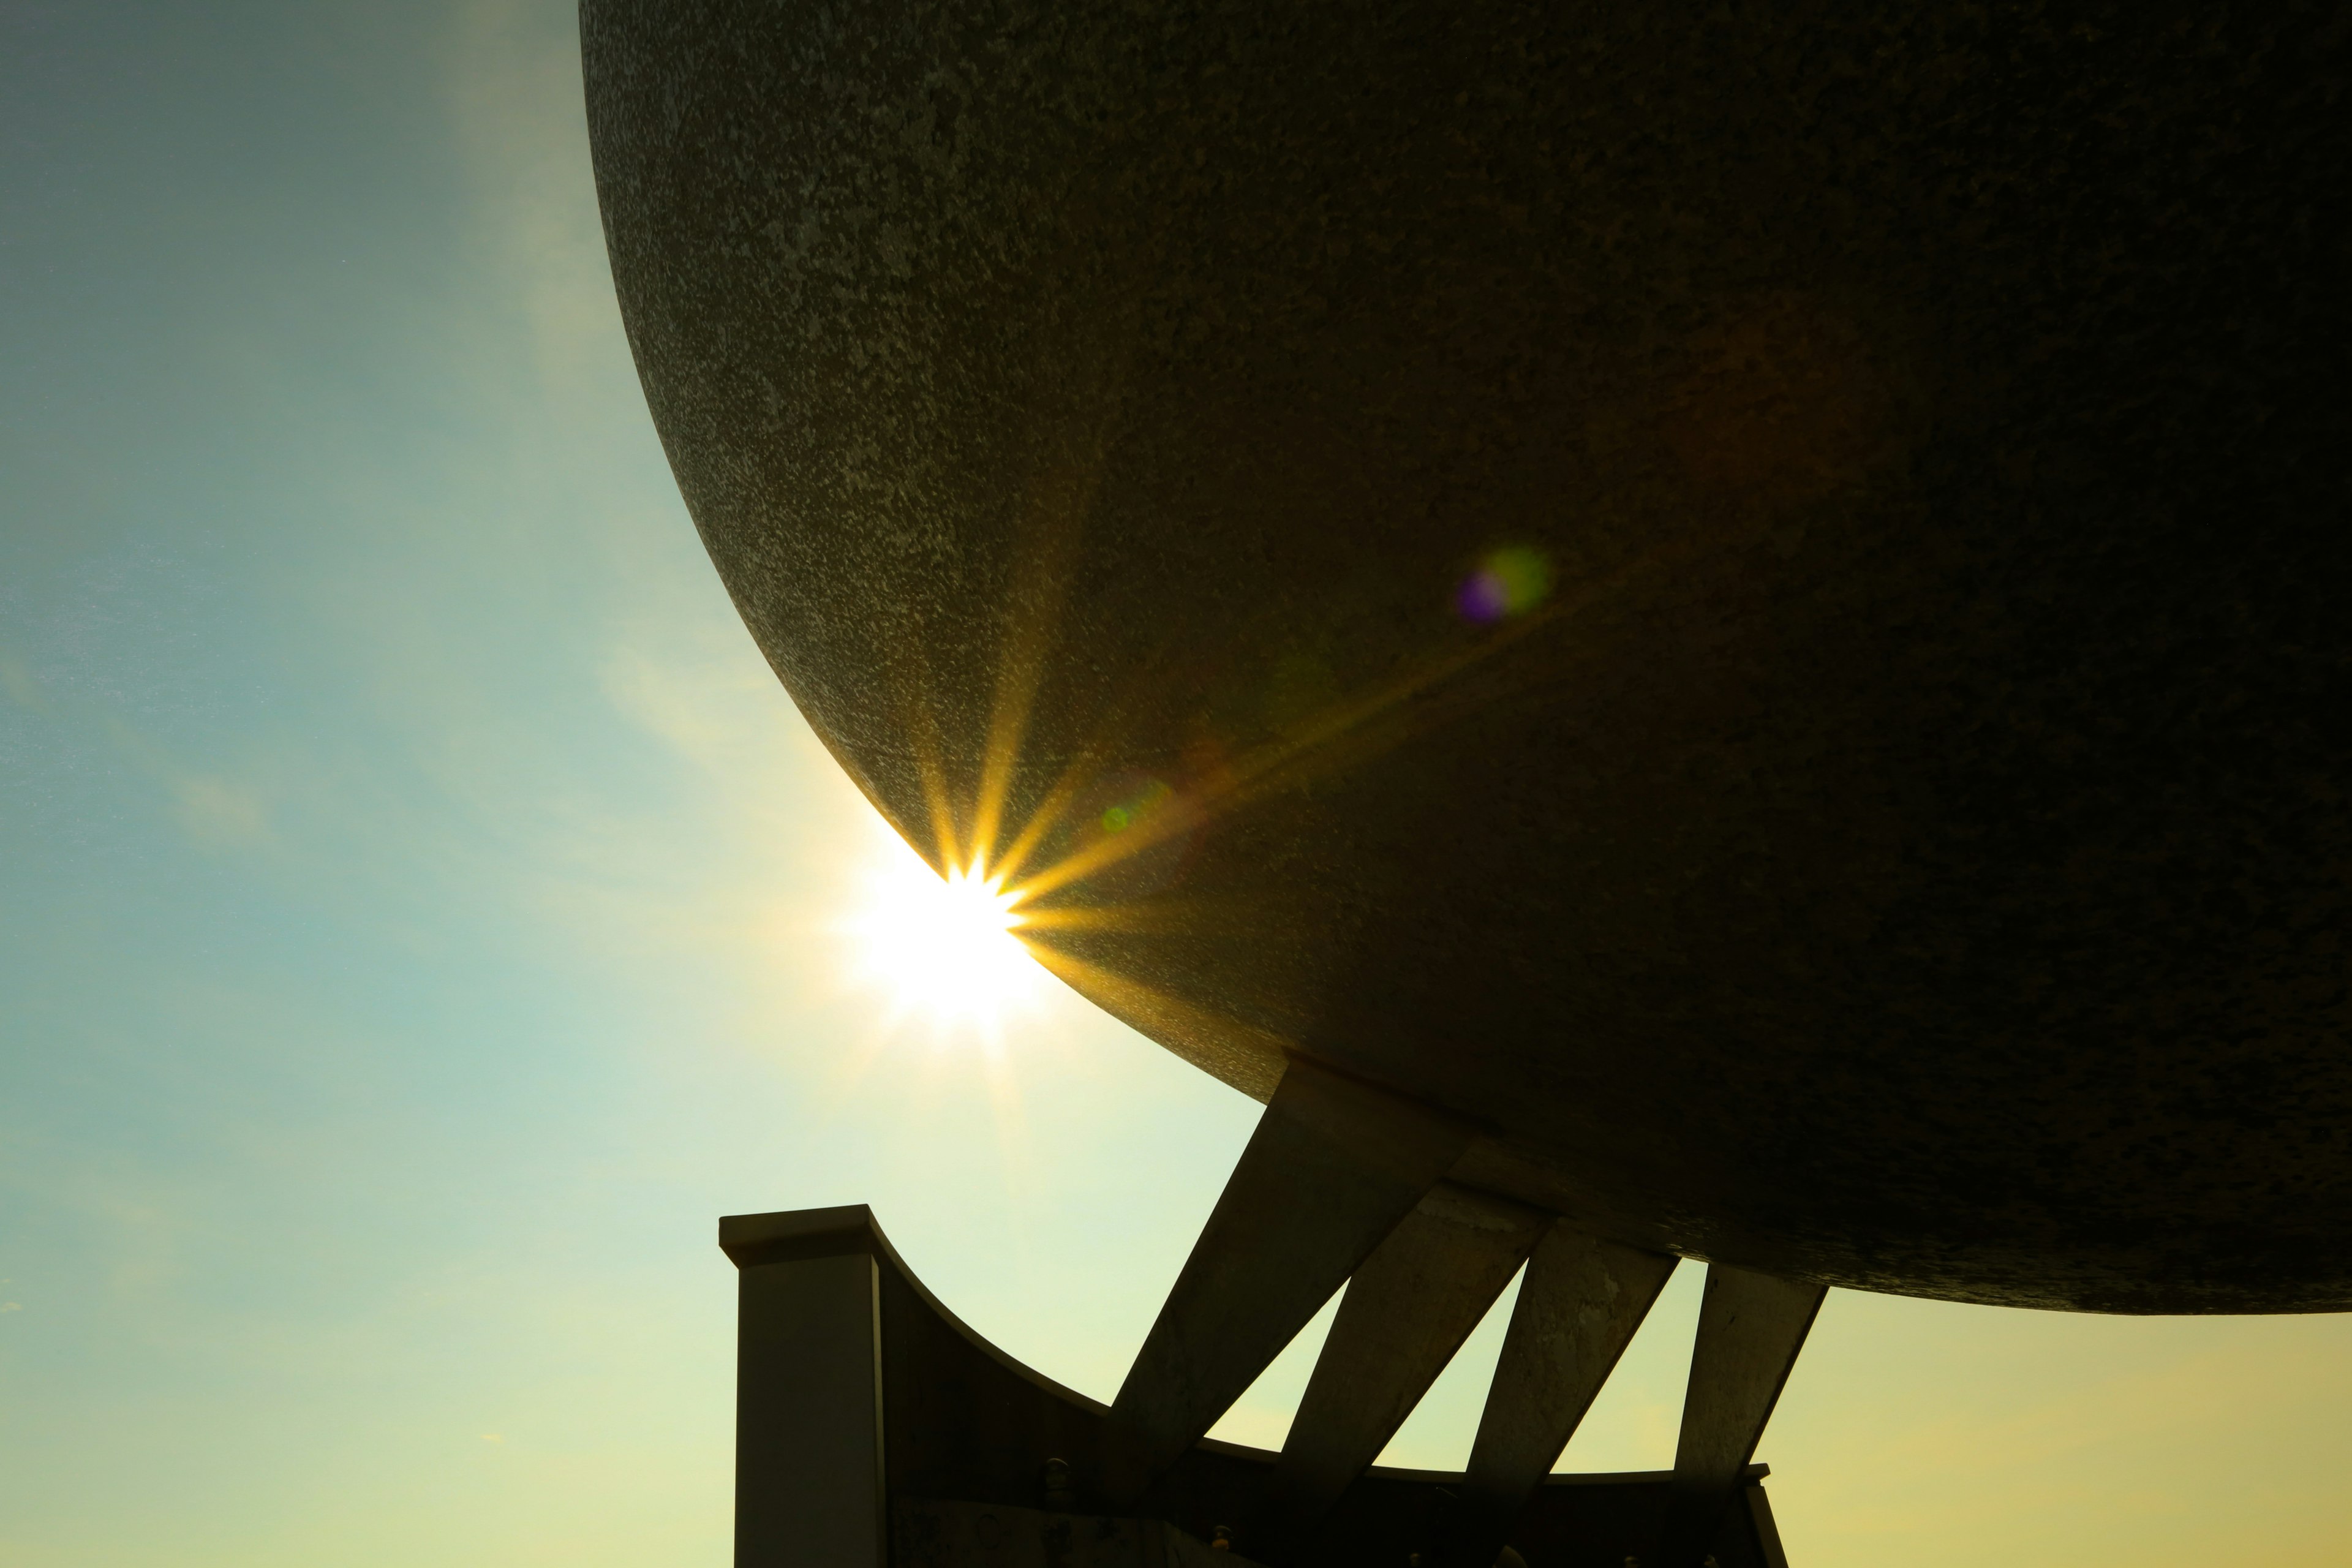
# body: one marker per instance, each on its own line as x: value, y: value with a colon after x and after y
x: 217, y: 814
x: 16, y: 682
x: 512, y: 74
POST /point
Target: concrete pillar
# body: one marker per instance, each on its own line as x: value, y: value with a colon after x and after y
x: 1578, y: 1310
x: 1407, y: 1310
x: 1331, y: 1170
x: 808, y: 1390
x: 1750, y: 1328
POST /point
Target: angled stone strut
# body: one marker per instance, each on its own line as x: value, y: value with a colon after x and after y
x: 1750, y: 1328
x: 1332, y: 1168
x: 1407, y: 1310
x: 1578, y: 1309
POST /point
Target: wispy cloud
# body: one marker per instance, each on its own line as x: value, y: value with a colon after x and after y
x: 216, y: 812
x: 16, y: 682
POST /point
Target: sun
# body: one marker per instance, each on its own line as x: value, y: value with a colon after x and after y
x: 941, y: 950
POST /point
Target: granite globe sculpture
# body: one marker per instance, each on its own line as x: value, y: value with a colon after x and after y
x: 1746, y: 606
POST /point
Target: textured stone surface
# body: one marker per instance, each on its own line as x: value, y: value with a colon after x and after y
x: 926, y: 1534
x: 1907, y: 847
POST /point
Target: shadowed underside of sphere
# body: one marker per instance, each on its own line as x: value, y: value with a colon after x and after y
x: 1751, y: 599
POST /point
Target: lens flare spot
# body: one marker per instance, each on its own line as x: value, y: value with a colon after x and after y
x: 1127, y: 801
x: 1507, y: 582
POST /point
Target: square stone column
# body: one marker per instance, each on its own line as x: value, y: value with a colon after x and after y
x: 808, y: 1390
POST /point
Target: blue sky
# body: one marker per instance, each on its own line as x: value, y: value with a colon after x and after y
x: 418, y: 908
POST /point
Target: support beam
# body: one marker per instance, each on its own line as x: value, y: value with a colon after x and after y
x: 1750, y: 1328
x: 808, y: 1390
x: 1407, y: 1310
x: 1332, y: 1168
x: 1578, y: 1309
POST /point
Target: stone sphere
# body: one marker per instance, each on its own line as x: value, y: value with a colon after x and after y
x: 1752, y: 597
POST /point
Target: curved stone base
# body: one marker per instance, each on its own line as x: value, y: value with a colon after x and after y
x: 873, y: 1428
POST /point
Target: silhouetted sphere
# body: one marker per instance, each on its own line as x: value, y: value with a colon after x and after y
x: 1880, y: 814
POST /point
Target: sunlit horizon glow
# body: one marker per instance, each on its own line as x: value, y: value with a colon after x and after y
x: 941, y: 950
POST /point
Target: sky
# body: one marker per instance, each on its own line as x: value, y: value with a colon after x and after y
x: 422, y: 914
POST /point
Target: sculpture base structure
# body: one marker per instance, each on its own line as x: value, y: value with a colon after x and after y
x: 989, y: 1535
x: 873, y: 1428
